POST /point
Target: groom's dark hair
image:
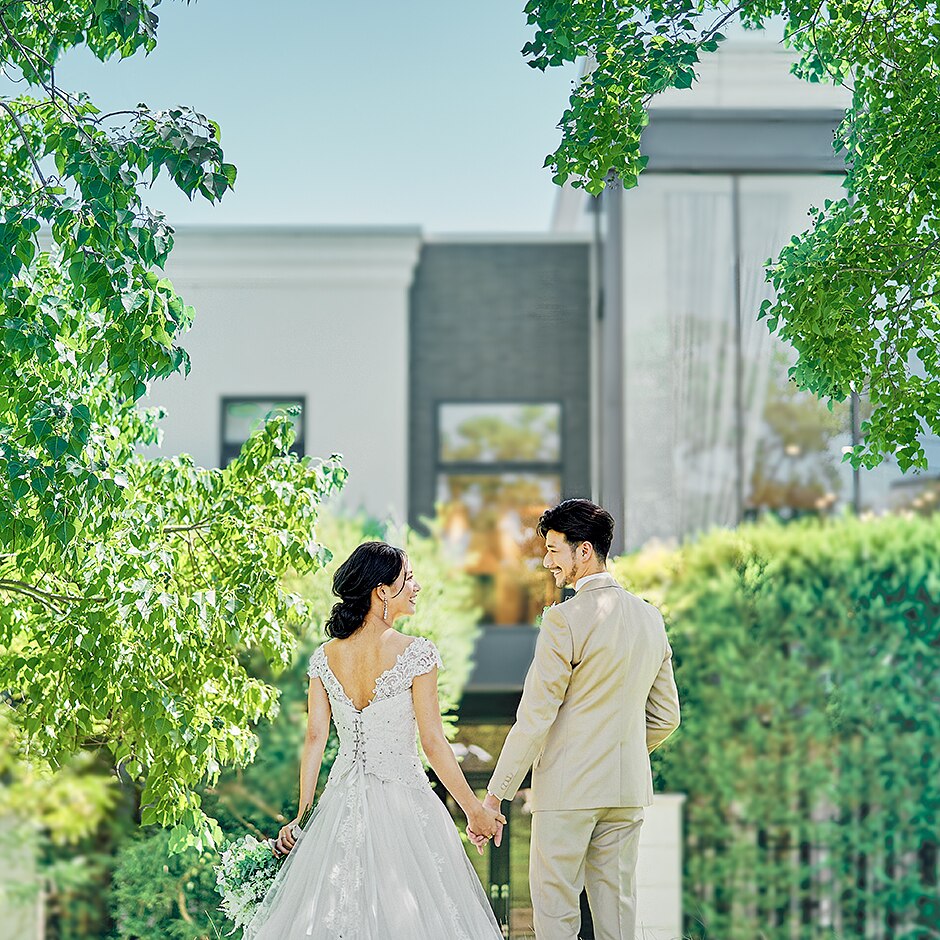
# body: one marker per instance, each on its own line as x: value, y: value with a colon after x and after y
x: 580, y: 520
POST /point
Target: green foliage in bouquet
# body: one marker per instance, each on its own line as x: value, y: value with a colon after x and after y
x: 245, y: 873
x: 857, y: 293
x: 807, y: 662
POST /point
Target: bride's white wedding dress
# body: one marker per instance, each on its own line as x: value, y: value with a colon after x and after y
x: 380, y: 858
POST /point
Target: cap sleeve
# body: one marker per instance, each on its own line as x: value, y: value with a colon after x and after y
x: 316, y: 660
x: 423, y: 657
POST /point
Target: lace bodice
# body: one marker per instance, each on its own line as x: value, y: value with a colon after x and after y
x: 382, y: 737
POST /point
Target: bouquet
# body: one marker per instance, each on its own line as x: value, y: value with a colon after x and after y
x: 245, y: 873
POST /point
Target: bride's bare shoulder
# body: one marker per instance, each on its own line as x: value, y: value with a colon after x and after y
x: 399, y: 642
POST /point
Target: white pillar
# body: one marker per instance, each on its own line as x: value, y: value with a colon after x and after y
x: 20, y: 918
x: 659, y: 870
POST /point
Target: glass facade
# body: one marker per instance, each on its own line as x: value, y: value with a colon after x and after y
x: 500, y: 433
x: 704, y: 377
x: 499, y: 469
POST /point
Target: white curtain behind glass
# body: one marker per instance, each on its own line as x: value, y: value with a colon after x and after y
x: 700, y: 302
x: 766, y: 222
x: 699, y: 306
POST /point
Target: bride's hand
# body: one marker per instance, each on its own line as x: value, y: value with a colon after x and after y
x: 286, y: 838
x: 486, y: 822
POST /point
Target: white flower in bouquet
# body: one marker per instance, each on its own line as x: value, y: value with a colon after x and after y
x: 244, y: 875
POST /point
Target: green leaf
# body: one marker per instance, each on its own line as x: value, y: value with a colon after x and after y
x: 41, y: 429
x: 56, y: 446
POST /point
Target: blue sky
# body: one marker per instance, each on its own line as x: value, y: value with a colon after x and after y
x: 365, y: 113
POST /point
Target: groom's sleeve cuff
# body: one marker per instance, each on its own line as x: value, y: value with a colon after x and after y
x: 503, y: 789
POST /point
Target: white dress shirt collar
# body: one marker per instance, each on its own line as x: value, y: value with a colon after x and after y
x: 589, y: 577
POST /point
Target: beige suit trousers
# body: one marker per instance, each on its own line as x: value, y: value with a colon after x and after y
x: 585, y: 848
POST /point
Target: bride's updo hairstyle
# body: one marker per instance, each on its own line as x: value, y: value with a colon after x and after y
x: 371, y: 564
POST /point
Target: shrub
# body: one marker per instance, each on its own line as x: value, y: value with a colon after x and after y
x: 806, y: 658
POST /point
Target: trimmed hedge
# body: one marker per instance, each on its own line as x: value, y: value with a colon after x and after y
x: 807, y: 661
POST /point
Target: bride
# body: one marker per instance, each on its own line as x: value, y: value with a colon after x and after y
x: 380, y: 858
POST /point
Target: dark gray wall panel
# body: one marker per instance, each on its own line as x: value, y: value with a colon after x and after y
x: 499, y: 322
x: 742, y: 141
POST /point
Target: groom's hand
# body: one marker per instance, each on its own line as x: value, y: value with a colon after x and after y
x: 494, y: 803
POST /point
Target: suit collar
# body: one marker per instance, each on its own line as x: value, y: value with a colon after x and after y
x: 604, y: 580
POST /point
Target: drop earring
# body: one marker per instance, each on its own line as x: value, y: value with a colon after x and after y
x: 385, y: 610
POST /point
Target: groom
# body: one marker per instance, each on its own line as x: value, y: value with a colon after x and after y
x: 598, y: 697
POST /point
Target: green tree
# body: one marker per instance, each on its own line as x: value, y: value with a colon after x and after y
x: 157, y: 893
x: 134, y: 590
x: 56, y: 829
x: 857, y: 293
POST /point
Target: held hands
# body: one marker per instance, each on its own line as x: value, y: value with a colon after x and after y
x: 485, y: 822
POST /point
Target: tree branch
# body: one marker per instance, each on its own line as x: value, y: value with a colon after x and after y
x: 40, y: 597
x: 192, y: 527
x: 205, y: 542
x: 28, y: 53
x: 26, y: 141
x: 30, y: 590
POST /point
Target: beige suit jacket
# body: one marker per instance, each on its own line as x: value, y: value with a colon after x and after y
x: 598, y: 698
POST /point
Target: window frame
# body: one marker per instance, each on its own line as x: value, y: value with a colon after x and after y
x: 472, y: 467
x: 554, y: 468
x: 227, y: 451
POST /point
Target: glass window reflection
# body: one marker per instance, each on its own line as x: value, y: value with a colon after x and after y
x: 500, y: 433
x: 489, y: 523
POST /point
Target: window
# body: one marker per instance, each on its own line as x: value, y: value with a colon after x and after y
x: 242, y: 416
x: 499, y: 468
x: 500, y: 433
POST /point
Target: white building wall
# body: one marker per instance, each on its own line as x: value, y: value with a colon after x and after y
x: 751, y: 70
x: 321, y: 313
